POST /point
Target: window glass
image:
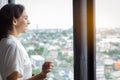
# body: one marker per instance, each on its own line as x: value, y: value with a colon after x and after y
x: 107, y: 39
x: 50, y: 36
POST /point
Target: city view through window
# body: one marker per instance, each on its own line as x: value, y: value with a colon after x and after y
x: 50, y: 36
x: 107, y: 39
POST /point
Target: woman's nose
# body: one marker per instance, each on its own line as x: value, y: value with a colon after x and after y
x: 28, y: 22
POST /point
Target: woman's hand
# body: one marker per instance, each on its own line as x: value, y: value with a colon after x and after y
x: 47, y: 67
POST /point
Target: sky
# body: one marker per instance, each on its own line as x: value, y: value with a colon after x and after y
x: 49, y: 13
x: 107, y: 13
x: 59, y: 13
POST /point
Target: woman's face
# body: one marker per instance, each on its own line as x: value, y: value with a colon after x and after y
x: 22, y: 23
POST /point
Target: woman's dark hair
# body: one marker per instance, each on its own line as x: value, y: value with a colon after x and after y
x: 7, y: 14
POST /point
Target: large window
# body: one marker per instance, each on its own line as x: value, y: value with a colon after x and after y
x: 50, y: 36
x: 106, y: 31
x: 107, y: 39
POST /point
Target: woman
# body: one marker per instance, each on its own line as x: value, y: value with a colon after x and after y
x: 14, y: 60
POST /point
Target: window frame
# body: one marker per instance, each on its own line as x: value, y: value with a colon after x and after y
x: 84, y: 40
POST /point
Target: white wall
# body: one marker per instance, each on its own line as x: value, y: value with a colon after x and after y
x: 3, y: 2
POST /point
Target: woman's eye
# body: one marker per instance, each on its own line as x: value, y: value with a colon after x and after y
x: 26, y: 18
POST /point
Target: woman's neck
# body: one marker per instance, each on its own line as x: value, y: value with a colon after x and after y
x: 14, y: 33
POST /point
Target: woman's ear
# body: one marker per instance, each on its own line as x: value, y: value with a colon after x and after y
x: 14, y: 21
